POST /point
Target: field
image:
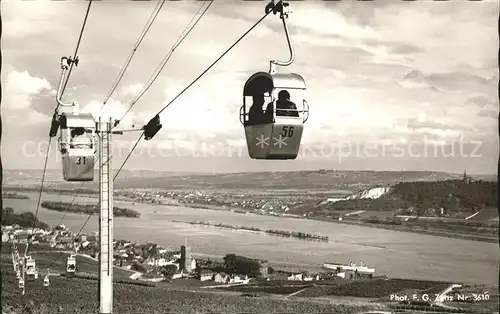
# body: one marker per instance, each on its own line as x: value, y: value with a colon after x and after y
x: 377, y: 290
x: 76, y: 295
x: 272, y: 287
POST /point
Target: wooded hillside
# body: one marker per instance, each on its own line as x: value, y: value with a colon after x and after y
x: 451, y: 195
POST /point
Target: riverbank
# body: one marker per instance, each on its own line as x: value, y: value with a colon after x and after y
x: 413, y: 229
x: 431, y: 229
x: 397, y: 254
x: 14, y: 196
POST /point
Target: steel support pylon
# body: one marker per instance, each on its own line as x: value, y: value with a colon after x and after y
x: 105, y: 219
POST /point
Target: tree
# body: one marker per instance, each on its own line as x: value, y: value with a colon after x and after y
x: 168, y: 271
x: 198, y: 269
x: 230, y: 261
x: 8, y: 211
x: 242, y: 265
x: 138, y: 267
x: 154, y: 251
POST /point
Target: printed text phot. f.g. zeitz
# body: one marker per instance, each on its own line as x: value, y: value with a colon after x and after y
x: 158, y: 159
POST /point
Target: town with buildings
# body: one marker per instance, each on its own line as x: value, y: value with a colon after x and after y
x: 151, y: 262
x: 275, y: 207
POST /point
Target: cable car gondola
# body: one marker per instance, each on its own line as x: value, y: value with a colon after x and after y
x: 77, y: 136
x: 31, y: 272
x: 275, y: 133
x: 46, y: 279
x: 71, y: 266
x: 77, y: 146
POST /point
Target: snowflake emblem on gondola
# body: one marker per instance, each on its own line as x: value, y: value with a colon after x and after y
x: 262, y: 141
x: 280, y: 142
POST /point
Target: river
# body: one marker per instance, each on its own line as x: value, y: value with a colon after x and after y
x: 395, y: 254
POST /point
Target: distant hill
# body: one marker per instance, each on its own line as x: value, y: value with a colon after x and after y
x: 318, y: 180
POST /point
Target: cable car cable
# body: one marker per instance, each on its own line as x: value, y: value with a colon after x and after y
x: 71, y: 204
x: 50, y: 138
x: 214, y: 63
x: 41, y: 190
x: 128, y: 156
x: 178, y: 95
x: 187, y: 30
x: 83, y: 226
x: 148, y: 25
x: 91, y: 213
x: 196, y: 79
x: 77, y: 47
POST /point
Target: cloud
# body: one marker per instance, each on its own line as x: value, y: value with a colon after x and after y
x: 481, y: 101
x: 35, y: 118
x: 40, y: 13
x: 21, y: 88
x: 488, y: 113
x: 112, y: 110
x: 375, y: 71
x: 24, y: 83
x: 205, y: 108
x: 421, y: 123
x: 131, y: 90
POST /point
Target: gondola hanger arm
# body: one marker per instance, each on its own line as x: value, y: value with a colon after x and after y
x: 283, y: 8
x: 65, y: 63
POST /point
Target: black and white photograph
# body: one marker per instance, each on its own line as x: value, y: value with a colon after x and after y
x: 236, y: 156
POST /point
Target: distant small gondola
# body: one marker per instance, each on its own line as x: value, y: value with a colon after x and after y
x: 31, y: 272
x: 71, y: 266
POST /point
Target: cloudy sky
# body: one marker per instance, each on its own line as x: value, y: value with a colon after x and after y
x: 392, y: 85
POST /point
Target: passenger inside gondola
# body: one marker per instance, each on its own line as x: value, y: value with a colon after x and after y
x: 255, y: 113
x: 79, y: 139
x: 268, y: 114
x: 284, y: 106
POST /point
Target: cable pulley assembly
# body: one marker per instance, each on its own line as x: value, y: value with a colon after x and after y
x: 152, y: 128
